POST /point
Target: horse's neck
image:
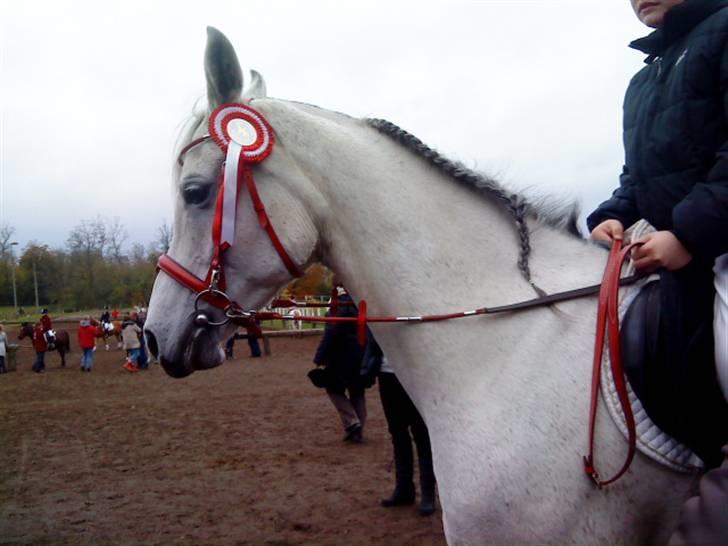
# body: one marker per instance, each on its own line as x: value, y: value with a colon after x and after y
x: 411, y: 240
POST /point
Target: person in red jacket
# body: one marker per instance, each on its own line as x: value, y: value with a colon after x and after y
x: 40, y: 345
x: 47, y: 326
x: 87, y: 342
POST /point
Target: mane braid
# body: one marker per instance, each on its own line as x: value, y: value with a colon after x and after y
x: 516, y: 205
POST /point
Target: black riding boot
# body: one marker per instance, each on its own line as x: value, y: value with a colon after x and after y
x: 427, y: 474
x: 427, y: 486
x: 404, y: 490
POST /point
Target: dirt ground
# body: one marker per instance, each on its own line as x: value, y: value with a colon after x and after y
x: 249, y: 452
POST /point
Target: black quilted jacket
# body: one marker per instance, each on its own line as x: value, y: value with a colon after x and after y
x: 676, y: 132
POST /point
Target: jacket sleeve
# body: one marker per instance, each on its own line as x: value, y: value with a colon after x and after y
x: 700, y: 220
x: 372, y: 360
x: 621, y: 206
x: 325, y: 347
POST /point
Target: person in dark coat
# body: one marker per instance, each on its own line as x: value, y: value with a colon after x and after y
x: 402, y: 419
x: 341, y: 354
x: 676, y: 177
x: 251, y: 336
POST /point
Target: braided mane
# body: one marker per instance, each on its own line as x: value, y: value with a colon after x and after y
x: 514, y: 203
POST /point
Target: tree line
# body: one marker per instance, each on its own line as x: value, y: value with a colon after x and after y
x: 98, y: 267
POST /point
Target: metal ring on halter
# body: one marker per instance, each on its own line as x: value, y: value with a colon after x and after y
x: 201, y: 319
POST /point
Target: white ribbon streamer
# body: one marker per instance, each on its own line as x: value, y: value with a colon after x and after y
x: 230, y: 193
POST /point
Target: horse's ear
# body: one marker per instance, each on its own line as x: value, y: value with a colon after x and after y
x: 222, y: 70
x: 256, y: 89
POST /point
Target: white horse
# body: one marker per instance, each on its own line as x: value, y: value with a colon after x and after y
x: 505, y: 397
x: 296, y: 323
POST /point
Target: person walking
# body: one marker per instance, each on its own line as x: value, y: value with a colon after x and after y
x: 402, y: 419
x: 87, y: 342
x: 341, y: 355
x: 143, y: 357
x: 40, y: 345
x: 130, y: 333
x: 676, y: 177
x: 3, y: 350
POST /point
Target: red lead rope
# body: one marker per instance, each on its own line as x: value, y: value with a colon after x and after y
x: 608, y: 317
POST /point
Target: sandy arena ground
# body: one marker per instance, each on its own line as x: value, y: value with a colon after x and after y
x: 249, y: 452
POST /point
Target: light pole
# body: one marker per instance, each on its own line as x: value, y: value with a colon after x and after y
x: 12, y: 273
x: 35, y: 283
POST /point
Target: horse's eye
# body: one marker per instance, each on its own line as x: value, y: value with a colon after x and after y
x: 196, y: 194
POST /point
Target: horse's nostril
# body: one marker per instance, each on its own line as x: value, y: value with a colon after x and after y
x: 151, y: 343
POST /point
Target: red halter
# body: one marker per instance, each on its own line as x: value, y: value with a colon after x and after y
x: 245, y: 136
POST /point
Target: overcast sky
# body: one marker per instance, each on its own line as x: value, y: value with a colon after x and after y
x: 93, y: 93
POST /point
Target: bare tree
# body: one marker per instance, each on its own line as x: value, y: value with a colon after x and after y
x: 166, y: 232
x: 6, y: 233
x: 87, y: 241
x: 88, y: 238
x: 137, y: 254
x: 116, y: 236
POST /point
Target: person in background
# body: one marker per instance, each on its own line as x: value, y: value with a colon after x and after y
x: 47, y: 325
x: 3, y: 350
x: 87, y: 342
x: 251, y: 336
x: 105, y: 320
x: 402, y: 418
x: 40, y: 346
x: 130, y: 335
x: 340, y: 353
x: 676, y: 177
x: 143, y: 362
x: 114, y: 314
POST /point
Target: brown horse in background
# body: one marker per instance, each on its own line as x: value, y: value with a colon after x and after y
x: 106, y: 334
x: 62, y: 343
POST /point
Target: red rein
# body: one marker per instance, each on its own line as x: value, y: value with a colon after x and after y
x: 608, y: 322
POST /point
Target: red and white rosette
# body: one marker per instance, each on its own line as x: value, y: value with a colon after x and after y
x: 245, y: 136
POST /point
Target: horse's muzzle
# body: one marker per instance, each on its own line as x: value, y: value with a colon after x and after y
x: 201, y: 352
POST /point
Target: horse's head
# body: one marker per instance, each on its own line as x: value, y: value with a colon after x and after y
x: 253, y: 268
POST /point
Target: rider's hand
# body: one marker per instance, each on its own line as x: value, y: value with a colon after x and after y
x: 609, y: 230
x: 660, y: 249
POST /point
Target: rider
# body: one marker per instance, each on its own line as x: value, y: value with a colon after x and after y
x: 676, y: 177
x: 47, y: 326
x: 105, y: 319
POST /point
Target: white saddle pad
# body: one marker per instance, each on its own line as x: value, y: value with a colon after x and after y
x: 651, y: 440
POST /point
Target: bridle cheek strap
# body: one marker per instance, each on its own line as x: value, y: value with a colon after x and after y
x: 265, y: 222
x: 245, y: 137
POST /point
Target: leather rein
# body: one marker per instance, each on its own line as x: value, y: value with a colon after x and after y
x: 255, y: 145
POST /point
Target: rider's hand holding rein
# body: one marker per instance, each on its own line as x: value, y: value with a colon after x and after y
x: 660, y: 249
x: 608, y: 230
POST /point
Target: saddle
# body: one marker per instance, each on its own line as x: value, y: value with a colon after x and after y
x: 50, y: 337
x: 668, y: 357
